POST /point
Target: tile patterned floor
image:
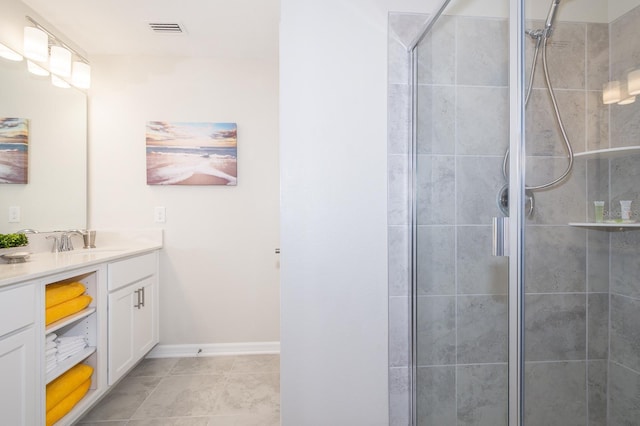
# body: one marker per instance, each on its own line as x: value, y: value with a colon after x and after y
x: 212, y: 391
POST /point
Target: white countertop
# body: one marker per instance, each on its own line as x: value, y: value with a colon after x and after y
x: 115, y: 245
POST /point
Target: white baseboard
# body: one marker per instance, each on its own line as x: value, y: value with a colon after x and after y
x: 214, y: 349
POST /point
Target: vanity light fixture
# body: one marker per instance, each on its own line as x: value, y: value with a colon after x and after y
x: 633, y: 82
x: 9, y: 54
x: 65, y: 63
x: 58, y: 82
x: 81, y: 75
x: 611, y: 92
x: 37, y: 69
x: 60, y: 61
x: 36, y: 44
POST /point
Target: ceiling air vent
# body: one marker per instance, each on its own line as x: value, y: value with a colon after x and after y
x: 166, y: 28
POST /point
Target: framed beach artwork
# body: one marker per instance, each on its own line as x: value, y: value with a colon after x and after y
x: 192, y: 153
x: 14, y: 153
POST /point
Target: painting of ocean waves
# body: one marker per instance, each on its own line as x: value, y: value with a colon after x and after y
x: 191, y: 153
x: 14, y: 152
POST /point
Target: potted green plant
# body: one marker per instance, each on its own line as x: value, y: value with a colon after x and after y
x: 13, y: 240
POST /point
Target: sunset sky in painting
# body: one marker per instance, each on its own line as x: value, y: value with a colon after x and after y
x: 14, y: 130
x: 163, y: 133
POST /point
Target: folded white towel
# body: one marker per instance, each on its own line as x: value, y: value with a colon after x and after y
x: 51, y: 368
x: 50, y: 345
x: 50, y: 357
x: 70, y: 352
x: 51, y: 351
x: 62, y: 348
x: 51, y: 337
x: 66, y: 339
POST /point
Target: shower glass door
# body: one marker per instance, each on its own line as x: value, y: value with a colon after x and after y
x: 460, y: 290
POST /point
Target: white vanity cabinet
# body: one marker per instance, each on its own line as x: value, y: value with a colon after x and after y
x: 19, y: 378
x: 133, y: 312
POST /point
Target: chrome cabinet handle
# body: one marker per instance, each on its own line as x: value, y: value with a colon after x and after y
x: 137, y: 292
x: 142, y: 290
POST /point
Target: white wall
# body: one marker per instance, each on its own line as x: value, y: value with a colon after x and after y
x: 219, y: 274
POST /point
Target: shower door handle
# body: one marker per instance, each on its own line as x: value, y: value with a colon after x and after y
x: 500, y: 236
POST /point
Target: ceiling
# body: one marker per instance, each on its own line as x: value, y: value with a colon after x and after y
x: 214, y: 28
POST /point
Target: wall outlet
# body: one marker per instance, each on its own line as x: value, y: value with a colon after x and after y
x: 160, y: 215
x: 14, y: 214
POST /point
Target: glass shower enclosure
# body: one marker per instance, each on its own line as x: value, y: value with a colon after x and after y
x: 511, y: 301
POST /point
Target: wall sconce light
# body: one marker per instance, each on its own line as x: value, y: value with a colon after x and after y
x: 81, y: 75
x: 60, y: 61
x: 9, y: 54
x: 633, y: 82
x: 625, y: 97
x: 36, y: 69
x: 36, y: 44
x: 611, y: 92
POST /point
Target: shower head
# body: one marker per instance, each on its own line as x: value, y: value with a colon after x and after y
x: 551, y: 16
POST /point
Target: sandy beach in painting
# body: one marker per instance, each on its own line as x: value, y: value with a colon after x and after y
x: 13, y: 166
x: 179, y: 168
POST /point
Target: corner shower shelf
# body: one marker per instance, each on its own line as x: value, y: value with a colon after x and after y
x: 607, y: 226
x: 609, y: 152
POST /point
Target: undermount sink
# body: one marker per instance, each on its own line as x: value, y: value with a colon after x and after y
x: 98, y: 250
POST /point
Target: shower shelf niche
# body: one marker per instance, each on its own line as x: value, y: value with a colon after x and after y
x: 609, y: 153
x: 603, y: 226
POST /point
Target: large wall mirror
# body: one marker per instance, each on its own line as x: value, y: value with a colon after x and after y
x: 55, y: 197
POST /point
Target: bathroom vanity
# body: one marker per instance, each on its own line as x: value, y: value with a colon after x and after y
x: 120, y: 324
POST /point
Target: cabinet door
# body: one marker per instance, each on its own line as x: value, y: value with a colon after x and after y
x: 18, y: 401
x: 145, y: 322
x: 121, y: 336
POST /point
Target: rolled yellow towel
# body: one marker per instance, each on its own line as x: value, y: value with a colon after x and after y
x: 59, y: 293
x: 61, y: 387
x: 67, y: 308
x: 67, y: 404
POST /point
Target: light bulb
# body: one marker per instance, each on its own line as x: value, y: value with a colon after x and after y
x: 611, y: 92
x: 633, y: 82
x: 60, y: 61
x: 81, y: 76
x: 36, y: 44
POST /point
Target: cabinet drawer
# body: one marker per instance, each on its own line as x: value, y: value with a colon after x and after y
x: 17, y: 308
x: 131, y: 270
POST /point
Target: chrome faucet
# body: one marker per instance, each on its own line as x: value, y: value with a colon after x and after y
x: 65, y: 239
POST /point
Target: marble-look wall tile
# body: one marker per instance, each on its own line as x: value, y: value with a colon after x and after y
x: 398, y: 252
x: 625, y: 125
x: 624, y: 54
x: 436, y: 260
x: 399, y: 396
x: 482, y: 329
x: 436, y: 332
x: 625, y: 331
x: 563, y: 203
x: 436, y: 119
x: 625, y: 175
x: 399, y: 332
x: 597, y: 123
x: 555, y: 327
x: 478, y: 180
x: 483, y: 393
x: 555, y: 394
x: 436, y: 396
x: 435, y: 190
x: 565, y: 56
x: 482, y: 120
x: 598, y: 264
x: 403, y: 27
x: 597, y: 186
x: 398, y: 129
x: 597, y: 55
x: 624, y: 396
x: 556, y: 259
x: 436, y: 53
x: 542, y: 132
x: 597, y: 390
x: 598, y: 325
x: 625, y: 268
x: 398, y: 191
x: 482, y: 60
x: 478, y: 271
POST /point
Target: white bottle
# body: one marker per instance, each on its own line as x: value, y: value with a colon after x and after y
x: 625, y: 209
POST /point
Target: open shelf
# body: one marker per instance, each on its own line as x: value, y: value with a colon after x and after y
x: 57, y: 325
x: 65, y: 365
x: 607, y: 226
x: 609, y: 153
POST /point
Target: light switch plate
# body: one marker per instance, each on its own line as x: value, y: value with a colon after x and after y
x: 160, y: 214
x: 14, y: 214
